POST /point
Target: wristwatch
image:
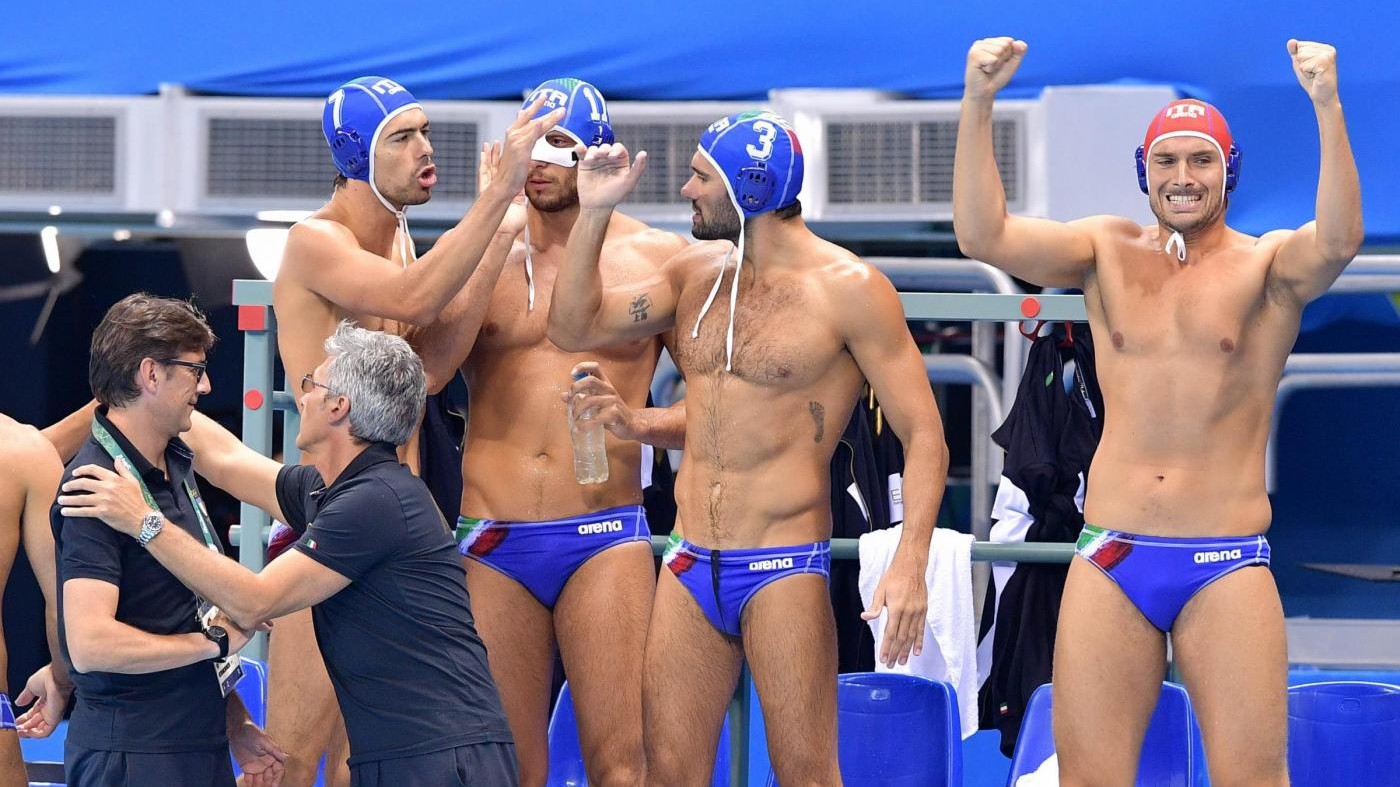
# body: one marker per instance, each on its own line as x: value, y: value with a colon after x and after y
x: 217, y: 635
x: 150, y: 527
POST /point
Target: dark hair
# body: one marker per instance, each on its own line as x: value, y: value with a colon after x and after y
x: 789, y: 211
x: 340, y: 181
x: 141, y: 326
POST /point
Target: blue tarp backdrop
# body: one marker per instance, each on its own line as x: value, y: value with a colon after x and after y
x: 1229, y: 53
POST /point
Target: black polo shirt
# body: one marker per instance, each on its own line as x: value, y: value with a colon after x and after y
x: 399, y: 643
x: 169, y: 711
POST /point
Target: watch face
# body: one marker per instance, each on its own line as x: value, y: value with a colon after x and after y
x: 217, y: 632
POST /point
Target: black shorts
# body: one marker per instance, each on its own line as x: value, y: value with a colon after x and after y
x: 99, y: 768
x: 476, y: 765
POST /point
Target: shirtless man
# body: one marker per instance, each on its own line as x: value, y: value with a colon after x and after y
x: 770, y: 384
x: 552, y: 560
x: 1195, y: 321
x: 351, y: 260
x: 29, y: 474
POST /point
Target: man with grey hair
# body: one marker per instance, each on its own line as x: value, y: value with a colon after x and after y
x: 374, y: 561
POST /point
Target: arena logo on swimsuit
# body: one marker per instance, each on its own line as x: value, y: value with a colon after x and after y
x: 593, y: 528
x: 771, y: 565
x: 1217, y: 557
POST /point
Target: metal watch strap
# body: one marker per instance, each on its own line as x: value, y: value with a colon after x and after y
x: 151, y: 525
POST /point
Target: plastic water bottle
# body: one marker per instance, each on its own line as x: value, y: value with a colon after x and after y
x: 590, y: 452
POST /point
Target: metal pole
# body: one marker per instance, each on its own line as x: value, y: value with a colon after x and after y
x: 259, y: 327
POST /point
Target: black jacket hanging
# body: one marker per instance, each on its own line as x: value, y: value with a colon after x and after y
x: 866, y: 457
x: 1049, y: 437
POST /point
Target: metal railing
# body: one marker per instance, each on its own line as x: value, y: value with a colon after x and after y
x: 1002, y: 304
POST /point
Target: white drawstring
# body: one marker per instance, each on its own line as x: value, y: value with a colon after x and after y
x: 529, y: 272
x: 1179, y: 242
x: 407, y: 251
x: 733, y: 295
x: 733, y: 304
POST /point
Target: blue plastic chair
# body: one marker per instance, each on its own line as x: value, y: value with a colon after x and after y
x: 896, y: 730
x: 566, y: 755
x: 1173, y: 754
x: 252, y: 689
x: 1344, y: 733
x: 48, y: 749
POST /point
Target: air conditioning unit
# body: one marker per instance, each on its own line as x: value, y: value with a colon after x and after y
x: 870, y: 158
x: 669, y: 133
x: 249, y: 155
x: 78, y: 153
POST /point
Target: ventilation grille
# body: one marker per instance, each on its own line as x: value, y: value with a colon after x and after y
x: 899, y: 162
x: 669, y: 148
x: 268, y: 157
x: 55, y: 153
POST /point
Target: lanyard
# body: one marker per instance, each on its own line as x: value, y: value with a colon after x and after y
x: 109, y: 444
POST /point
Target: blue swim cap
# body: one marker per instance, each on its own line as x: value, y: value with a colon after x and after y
x: 353, y: 117
x: 585, y: 117
x: 760, y: 158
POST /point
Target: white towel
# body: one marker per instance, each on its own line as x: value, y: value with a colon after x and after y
x: 1047, y: 775
x: 950, y: 636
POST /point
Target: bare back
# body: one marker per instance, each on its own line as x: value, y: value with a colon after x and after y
x: 518, y: 462
x: 759, y: 439
x: 1189, y: 359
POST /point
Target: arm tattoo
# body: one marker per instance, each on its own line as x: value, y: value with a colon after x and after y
x: 639, y: 307
x: 818, y: 412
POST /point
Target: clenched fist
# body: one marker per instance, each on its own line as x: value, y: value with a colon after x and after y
x: 1315, y: 65
x: 990, y: 64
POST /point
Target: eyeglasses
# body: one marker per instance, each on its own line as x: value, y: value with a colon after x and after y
x: 199, y: 367
x: 307, y: 384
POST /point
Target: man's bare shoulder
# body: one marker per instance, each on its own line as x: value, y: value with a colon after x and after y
x: 658, y: 245
x: 24, y: 450
x: 1111, y: 227
x: 312, y: 239
x: 702, y: 254
x: 1269, y: 240
x: 840, y: 266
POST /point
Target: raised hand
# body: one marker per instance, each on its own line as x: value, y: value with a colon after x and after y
x: 990, y: 64
x: 486, y: 172
x: 606, y: 175
x: 1315, y: 65
x: 519, y: 145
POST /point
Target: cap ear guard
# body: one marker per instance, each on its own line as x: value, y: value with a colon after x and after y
x: 753, y: 187
x: 1232, y: 168
x: 351, y: 153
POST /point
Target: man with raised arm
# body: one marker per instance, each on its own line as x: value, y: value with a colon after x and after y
x: 771, y: 379
x: 1194, y: 321
x: 353, y: 259
x: 552, y: 562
